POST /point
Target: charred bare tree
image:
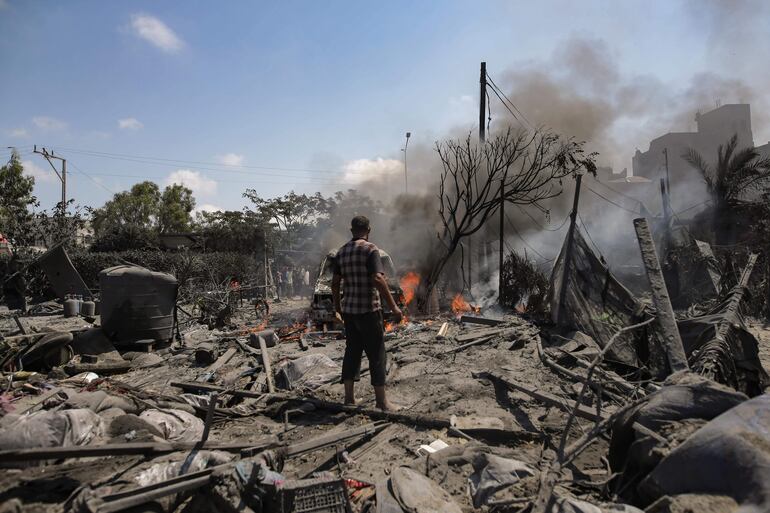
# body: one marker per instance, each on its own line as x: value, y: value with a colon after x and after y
x: 528, y: 166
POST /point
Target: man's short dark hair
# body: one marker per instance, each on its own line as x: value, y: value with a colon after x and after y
x: 359, y: 224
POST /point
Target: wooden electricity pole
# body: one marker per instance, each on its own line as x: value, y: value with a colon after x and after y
x: 482, y: 138
x: 502, y: 240
x: 559, y: 317
x: 482, y: 101
x: 62, y: 175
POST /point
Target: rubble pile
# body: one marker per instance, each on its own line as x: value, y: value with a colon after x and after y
x: 149, y: 405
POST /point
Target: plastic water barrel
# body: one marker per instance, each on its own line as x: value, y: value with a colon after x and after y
x: 136, y: 303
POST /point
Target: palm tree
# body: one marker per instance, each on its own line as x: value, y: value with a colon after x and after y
x: 736, y: 174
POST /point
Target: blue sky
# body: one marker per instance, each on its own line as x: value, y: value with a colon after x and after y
x: 316, y: 91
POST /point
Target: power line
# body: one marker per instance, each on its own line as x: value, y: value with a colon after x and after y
x: 585, y: 228
x: 495, y: 86
x: 155, y: 178
x: 543, y: 227
x: 195, y: 168
x: 97, y: 182
x: 227, y: 167
x: 612, y: 202
x: 524, y: 241
x: 508, y: 108
x: 616, y: 191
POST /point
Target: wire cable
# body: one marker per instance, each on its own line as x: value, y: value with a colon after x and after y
x: 177, y: 162
x: 508, y: 109
x: 247, y: 182
x: 585, y: 229
x: 97, y: 182
x: 523, y: 240
x: 615, y: 190
x: 541, y: 226
x: 612, y: 202
x: 495, y: 86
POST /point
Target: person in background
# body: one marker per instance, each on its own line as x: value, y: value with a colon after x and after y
x: 279, y: 284
x: 306, y: 283
x: 358, y: 268
x: 289, y: 283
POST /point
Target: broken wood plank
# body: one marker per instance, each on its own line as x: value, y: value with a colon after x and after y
x: 544, y: 397
x: 126, y: 449
x: 442, y: 331
x: 467, y: 337
x: 672, y: 342
x: 476, y: 342
x: 126, y: 499
x: 213, y: 398
x: 222, y: 360
x: 604, y: 374
x: 40, y: 400
x: 196, y: 387
x: 597, y: 388
x: 102, y: 368
x: 20, y: 325
x: 265, y: 362
x: 471, y: 319
x: 429, y: 421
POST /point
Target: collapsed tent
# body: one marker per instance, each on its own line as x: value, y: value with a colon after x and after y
x: 584, y: 295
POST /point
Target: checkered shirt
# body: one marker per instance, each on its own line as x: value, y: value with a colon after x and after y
x: 356, y: 264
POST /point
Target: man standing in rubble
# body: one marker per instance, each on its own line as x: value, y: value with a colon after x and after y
x: 357, y: 266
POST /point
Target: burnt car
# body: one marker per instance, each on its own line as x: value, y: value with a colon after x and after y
x: 322, y: 307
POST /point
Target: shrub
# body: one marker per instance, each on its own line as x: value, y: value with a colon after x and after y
x: 191, y: 269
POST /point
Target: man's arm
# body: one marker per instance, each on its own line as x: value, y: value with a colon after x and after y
x: 381, y: 284
x: 336, y: 280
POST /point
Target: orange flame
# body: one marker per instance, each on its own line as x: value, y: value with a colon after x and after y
x: 409, y: 284
x: 460, y: 306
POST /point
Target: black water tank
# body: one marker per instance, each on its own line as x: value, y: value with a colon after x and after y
x: 136, y: 303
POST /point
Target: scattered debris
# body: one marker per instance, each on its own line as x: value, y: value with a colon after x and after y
x: 238, y: 409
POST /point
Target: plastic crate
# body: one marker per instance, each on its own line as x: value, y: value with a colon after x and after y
x: 319, y: 495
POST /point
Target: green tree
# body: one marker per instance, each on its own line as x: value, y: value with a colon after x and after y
x: 136, y: 208
x: 15, y: 201
x: 176, y: 206
x: 232, y: 230
x: 736, y: 175
x: 129, y: 220
x: 295, y: 214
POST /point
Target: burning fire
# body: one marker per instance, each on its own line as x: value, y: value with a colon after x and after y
x: 409, y: 284
x: 460, y: 306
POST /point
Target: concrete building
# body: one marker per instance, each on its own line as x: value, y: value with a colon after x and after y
x: 713, y: 128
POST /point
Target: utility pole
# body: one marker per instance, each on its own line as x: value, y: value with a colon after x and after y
x: 482, y: 138
x: 482, y: 101
x: 406, y: 145
x: 668, y: 176
x: 502, y: 239
x: 62, y: 176
x: 559, y: 314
